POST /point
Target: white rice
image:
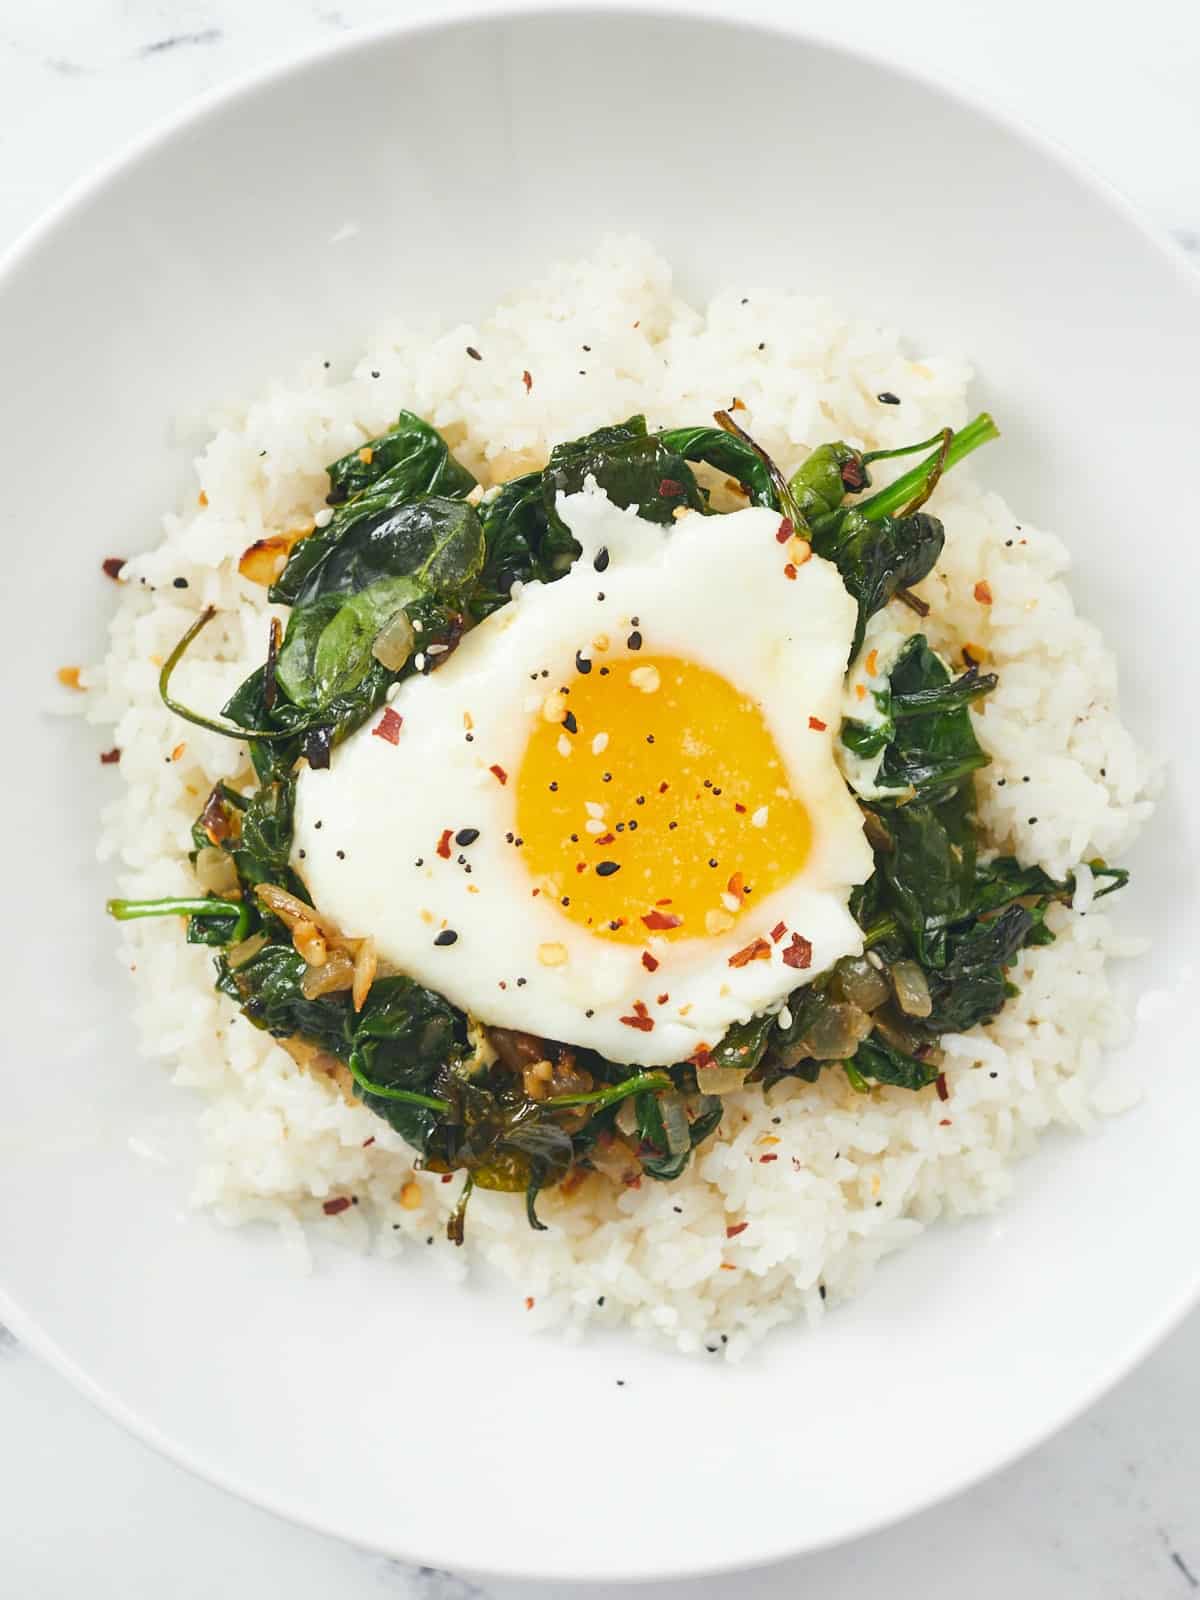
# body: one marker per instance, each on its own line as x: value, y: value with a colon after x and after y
x: 827, y: 1180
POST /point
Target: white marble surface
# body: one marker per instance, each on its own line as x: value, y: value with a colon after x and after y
x: 1110, y: 1509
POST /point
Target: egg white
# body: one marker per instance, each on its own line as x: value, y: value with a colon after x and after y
x: 709, y: 589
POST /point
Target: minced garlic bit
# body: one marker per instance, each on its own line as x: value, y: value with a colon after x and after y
x: 717, y: 922
x: 552, y: 955
x: 366, y: 455
x: 410, y: 1195
x: 69, y: 677
x: 646, y: 679
x: 600, y: 643
x: 554, y: 708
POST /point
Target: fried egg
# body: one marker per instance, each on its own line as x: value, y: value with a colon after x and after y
x: 613, y: 816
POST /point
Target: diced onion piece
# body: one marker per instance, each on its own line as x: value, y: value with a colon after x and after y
x: 861, y: 984
x: 394, y: 642
x: 835, y: 1032
x: 626, y: 1118
x: 292, y: 911
x: 720, y: 1080
x: 336, y: 974
x: 237, y: 955
x: 912, y: 989
x: 215, y: 871
x: 310, y: 944
x: 365, y: 967
x: 675, y: 1124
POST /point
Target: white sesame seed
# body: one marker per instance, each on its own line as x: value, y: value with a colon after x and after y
x: 759, y: 819
x: 785, y: 1018
x: 323, y: 518
x: 438, y: 649
x: 731, y: 902
x: 518, y: 588
x: 593, y: 808
x: 418, y: 625
x: 419, y: 661
x: 554, y: 708
x: 564, y: 745
x: 593, y: 825
x: 599, y: 744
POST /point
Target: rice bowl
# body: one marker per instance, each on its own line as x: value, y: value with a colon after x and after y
x: 806, y: 1188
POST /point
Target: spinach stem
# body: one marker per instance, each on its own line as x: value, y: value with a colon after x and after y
x: 611, y: 1093
x: 183, y: 906
x: 229, y: 729
x: 911, y: 483
x: 408, y: 1096
x: 902, y: 450
x: 778, y: 482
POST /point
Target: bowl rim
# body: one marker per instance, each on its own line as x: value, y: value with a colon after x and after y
x: 447, y: 17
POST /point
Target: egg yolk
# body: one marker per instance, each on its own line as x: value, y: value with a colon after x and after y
x: 652, y: 800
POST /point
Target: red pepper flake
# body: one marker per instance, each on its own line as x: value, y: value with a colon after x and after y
x: 215, y: 818
x: 778, y: 931
x: 762, y: 1160
x: 737, y: 885
x: 443, y: 844
x: 666, y: 901
x: 817, y: 725
x: 756, y: 950
x: 581, y: 866
x: 785, y: 530
x: 446, y: 1177
x: 670, y: 486
x: 790, y: 570
x: 943, y: 1088
x: 333, y: 1208
x: 367, y: 1143
x: 641, y: 1019
x: 662, y: 999
x: 388, y: 727
x: 499, y: 772
x: 109, y: 758
x: 527, y: 381
x: 701, y: 1056
x: 112, y: 567
x: 798, y: 953
x: 607, y: 838
x: 529, y: 1302
x: 660, y: 921
x: 983, y: 592
x: 649, y: 961
x: 663, y: 787
x: 739, y: 808
x: 944, y: 1123
x: 734, y: 1228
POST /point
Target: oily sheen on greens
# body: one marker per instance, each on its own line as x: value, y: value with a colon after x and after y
x: 405, y: 542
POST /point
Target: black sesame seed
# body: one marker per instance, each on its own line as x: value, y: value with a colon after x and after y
x: 620, y: 827
x: 566, y: 900
x: 641, y: 800
x: 466, y: 836
x: 762, y: 347
x: 461, y: 860
x: 620, y: 1383
x: 600, y: 594
x: 326, y: 365
x: 374, y: 374
x: 606, y: 868
x: 607, y: 777
x: 180, y: 583
x: 554, y: 787
x: 569, y: 723
x: 574, y: 838
x: 470, y: 738
x: 318, y: 824
x: 303, y: 853
x: 821, y: 1290
x: 600, y: 559
x: 649, y: 738
x: 887, y: 398
x: 473, y: 353
x: 586, y: 347
x: 716, y: 791
x: 712, y: 861
x: 672, y: 825
x: 592, y: 1014
x: 678, y: 1210
x: 419, y: 862
x: 634, y: 640
x: 1032, y: 820
x: 582, y: 664
x: 447, y: 936
x: 520, y: 983
x: 1025, y: 779
x: 341, y: 855
x: 632, y: 826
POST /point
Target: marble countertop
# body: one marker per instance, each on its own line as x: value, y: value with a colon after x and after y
x: 1110, y: 1508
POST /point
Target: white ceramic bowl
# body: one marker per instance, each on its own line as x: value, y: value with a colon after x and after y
x: 443, y: 165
